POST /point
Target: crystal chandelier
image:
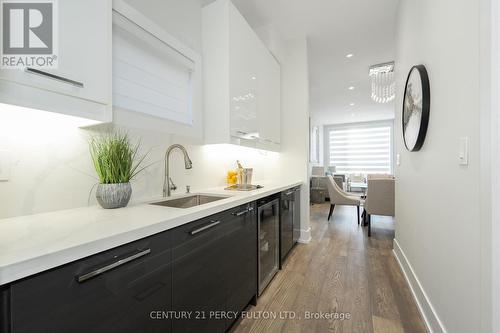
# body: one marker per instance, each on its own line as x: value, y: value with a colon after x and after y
x: 383, y: 83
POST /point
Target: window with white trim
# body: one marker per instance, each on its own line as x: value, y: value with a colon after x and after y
x: 360, y: 148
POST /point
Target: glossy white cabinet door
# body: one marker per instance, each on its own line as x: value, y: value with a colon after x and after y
x: 243, y: 71
x: 254, y: 85
x: 84, y: 44
x: 242, y: 81
x: 270, y: 99
x: 275, y: 78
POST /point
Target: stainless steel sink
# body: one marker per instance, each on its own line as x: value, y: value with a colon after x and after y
x: 189, y: 201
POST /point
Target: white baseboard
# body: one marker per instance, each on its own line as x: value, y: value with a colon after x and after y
x: 305, y: 236
x: 431, y: 318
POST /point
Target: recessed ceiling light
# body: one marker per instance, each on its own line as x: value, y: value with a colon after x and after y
x: 352, y: 104
x: 351, y: 88
x: 350, y: 55
x: 254, y: 78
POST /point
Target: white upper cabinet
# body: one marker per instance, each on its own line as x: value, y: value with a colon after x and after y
x: 270, y: 101
x: 244, y: 48
x: 241, y: 80
x: 81, y: 83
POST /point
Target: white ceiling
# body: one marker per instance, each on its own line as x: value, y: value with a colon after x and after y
x: 335, y: 28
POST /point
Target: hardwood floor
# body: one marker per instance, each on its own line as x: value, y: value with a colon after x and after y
x: 341, y: 272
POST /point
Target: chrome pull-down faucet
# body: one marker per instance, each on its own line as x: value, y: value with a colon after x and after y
x: 167, y: 180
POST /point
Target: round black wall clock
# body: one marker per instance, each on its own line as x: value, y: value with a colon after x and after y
x: 416, y: 105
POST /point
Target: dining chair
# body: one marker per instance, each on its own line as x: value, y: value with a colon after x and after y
x: 339, y: 197
x: 380, y: 199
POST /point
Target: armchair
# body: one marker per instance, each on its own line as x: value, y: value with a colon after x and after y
x: 339, y: 197
x: 380, y: 199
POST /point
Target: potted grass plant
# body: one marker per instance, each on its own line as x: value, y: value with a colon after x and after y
x: 116, y: 162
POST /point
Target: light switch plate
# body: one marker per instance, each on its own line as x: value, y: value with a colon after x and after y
x: 463, y: 151
x: 5, y: 165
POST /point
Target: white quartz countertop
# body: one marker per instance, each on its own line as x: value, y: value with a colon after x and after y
x: 35, y: 243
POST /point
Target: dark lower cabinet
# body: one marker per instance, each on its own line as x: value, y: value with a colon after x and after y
x: 296, y: 216
x: 198, y: 261
x: 286, y: 222
x: 241, y: 261
x: 72, y: 299
x: 289, y: 221
x: 214, y: 270
x: 194, y: 278
x: 4, y: 309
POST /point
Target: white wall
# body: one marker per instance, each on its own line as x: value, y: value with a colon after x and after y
x: 437, y: 201
x: 348, y: 116
x: 490, y: 179
x: 295, y: 123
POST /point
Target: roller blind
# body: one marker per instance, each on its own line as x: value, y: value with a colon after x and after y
x: 149, y: 76
x: 365, y: 149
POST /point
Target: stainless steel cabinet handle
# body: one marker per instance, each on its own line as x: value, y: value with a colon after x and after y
x: 243, y: 212
x: 119, y: 262
x: 290, y: 192
x: 205, y: 227
x: 54, y: 77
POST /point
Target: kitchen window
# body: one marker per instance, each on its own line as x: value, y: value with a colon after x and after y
x: 364, y: 148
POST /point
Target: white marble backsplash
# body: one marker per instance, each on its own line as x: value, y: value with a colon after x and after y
x: 51, y: 167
